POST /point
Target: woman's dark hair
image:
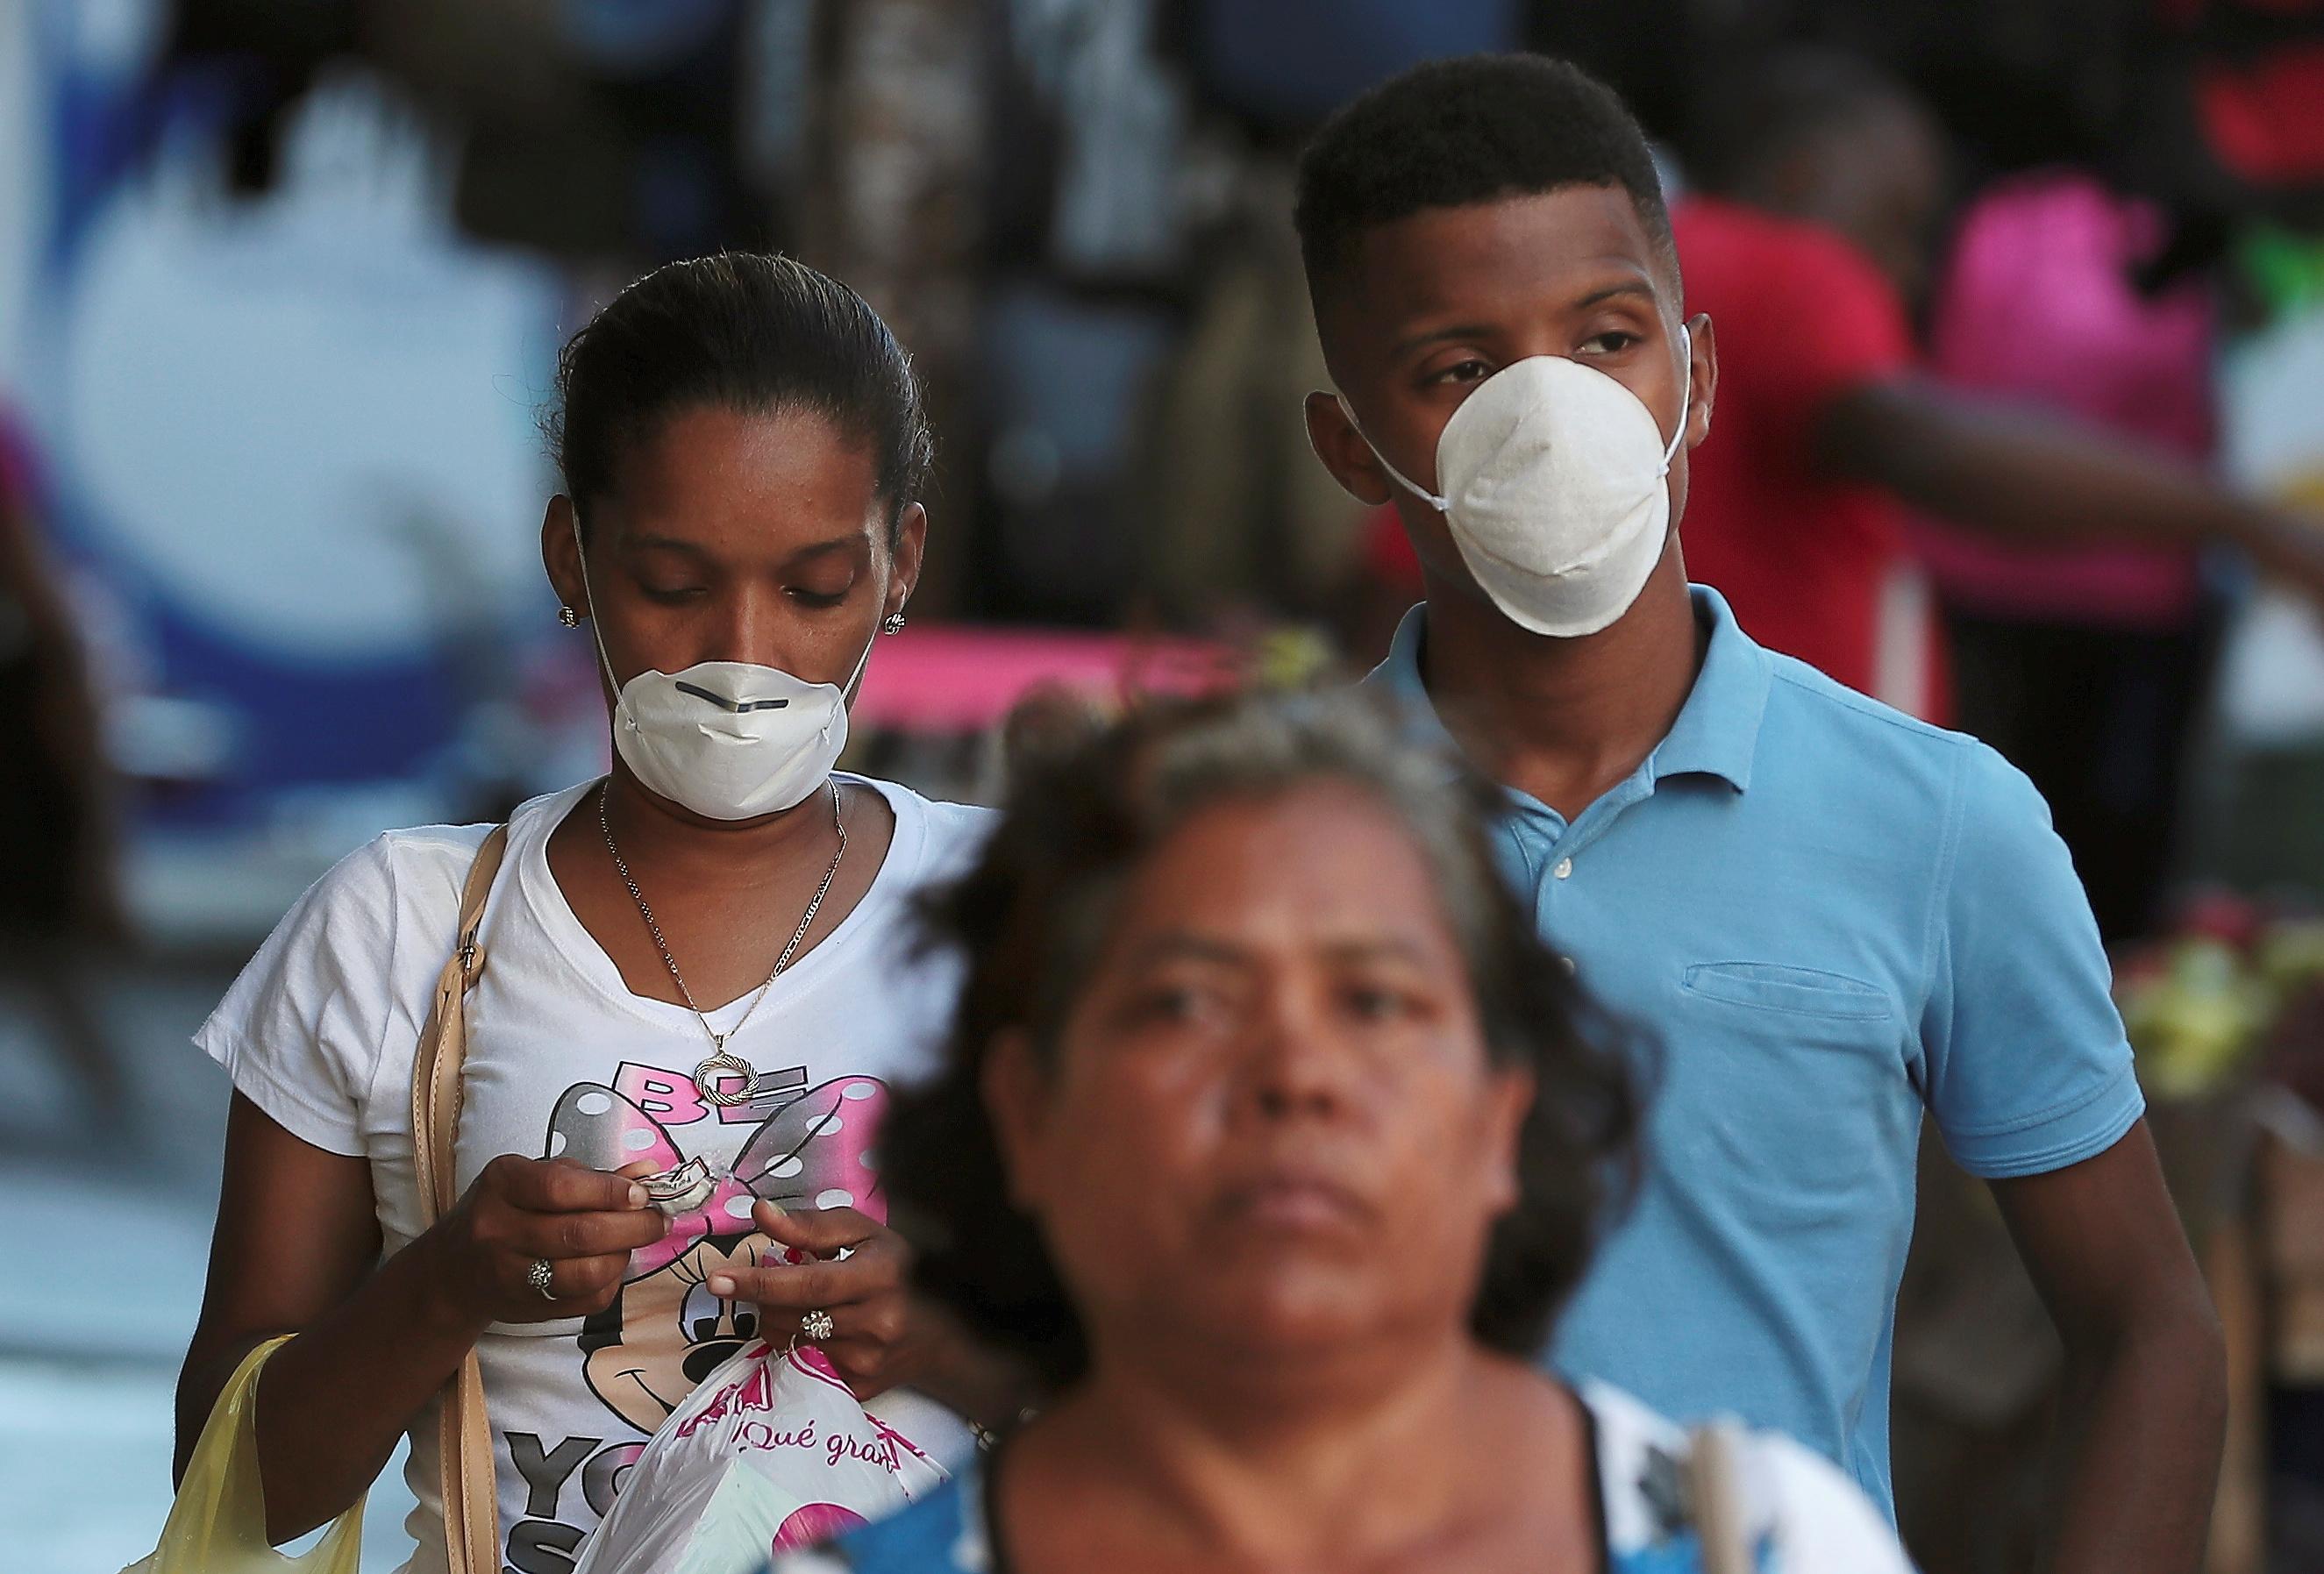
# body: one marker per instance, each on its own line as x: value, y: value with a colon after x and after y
x: 738, y: 331
x: 1029, y: 922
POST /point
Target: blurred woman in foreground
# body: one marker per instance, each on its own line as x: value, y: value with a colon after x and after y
x: 1272, y: 1132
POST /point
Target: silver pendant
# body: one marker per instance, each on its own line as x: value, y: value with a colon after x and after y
x: 724, y: 1060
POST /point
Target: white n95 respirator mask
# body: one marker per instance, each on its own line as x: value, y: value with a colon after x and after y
x: 1554, y: 491
x: 728, y: 740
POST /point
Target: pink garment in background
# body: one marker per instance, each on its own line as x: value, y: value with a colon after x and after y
x: 2037, y: 305
x: 957, y: 678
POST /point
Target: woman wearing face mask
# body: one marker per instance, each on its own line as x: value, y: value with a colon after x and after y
x: 1269, y: 1130
x: 698, y: 988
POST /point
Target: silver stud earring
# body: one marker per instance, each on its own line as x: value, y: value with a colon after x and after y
x: 893, y: 623
x: 569, y: 617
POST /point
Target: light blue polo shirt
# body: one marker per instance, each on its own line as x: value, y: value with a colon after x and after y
x: 1821, y: 917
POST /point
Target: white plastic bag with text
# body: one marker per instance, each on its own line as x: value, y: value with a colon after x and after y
x: 770, y: 1452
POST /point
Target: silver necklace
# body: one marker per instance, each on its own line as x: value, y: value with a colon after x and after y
x: 723, y: 1059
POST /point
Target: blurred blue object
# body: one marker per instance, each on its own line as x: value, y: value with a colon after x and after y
x: 1291, y: 62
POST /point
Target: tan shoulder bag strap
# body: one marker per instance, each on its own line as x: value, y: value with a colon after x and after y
x: 1714, y: 1484
x: 472, y: 1533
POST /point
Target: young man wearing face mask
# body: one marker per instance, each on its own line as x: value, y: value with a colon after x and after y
x: 1824, y: 917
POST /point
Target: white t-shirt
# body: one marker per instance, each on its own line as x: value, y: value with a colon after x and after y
x: 319, y: 1032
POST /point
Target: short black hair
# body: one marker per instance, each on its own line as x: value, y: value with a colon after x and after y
x: 1028, y: 921
x: 1475, y: 129
x: 742, y: 331
x: 1787, y: 97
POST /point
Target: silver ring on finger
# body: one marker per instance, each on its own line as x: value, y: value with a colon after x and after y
x: 541, y: 1276
x: 816, y: 1325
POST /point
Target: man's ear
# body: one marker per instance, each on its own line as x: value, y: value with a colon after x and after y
x: 560, y: 553
x: 1702, y: 369
x: 1345, y: 453
x: 1015, y: 1089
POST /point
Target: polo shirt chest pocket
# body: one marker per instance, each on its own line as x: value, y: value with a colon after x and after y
x: 1814, y: 1057
x: 1791, y: 991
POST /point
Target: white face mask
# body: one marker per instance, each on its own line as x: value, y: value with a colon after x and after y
x: 728, y: 740
x: 1553, y: 491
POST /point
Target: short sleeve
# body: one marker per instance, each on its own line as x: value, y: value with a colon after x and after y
x: 301, y: 1030
x: 1819, y: 322
x: 2027, y: 1067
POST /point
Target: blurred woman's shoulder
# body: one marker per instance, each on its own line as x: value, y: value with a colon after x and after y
x: 941, y: 1533
x: 1801, y: 1515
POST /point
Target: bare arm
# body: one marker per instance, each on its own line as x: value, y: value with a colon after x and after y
x: 2145, y: 1403
x: 2027, y: 476
x: 294, y: 1252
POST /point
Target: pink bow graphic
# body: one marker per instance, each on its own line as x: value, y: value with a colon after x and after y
x: 812, y: 1153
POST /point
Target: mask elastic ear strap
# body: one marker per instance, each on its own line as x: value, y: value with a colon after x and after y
x: 581, y: 554
x: 862, y: 662
x: 1440, y: 504
x: 1686, y: 408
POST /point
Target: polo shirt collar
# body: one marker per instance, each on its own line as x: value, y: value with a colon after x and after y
x: 1717, y: 732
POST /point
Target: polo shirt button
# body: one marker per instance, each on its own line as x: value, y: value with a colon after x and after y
x: 1567, y: 962
x: 1565, y: 870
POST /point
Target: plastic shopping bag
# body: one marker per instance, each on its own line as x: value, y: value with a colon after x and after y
x: 218, y: 1526
x: 772, y: 1451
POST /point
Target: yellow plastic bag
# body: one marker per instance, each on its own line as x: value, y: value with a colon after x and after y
x: 218, y: 1526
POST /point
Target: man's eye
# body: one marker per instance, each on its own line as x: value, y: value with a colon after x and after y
x: 1610, y: 344
x: 1471, y: 371
x: 817, y: 598
x: 673, y: 595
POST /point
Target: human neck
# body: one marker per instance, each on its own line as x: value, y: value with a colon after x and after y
x: 1563, y: 720
x: 1276, y: 1464
x: 654, y: 833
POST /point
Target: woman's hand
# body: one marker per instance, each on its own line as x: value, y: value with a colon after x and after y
x: 583, y: 1222
x: 878, y: 1339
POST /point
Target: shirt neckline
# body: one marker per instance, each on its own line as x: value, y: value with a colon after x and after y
x: 984, y: 1499
x: 582, y: 955
x: 1715, y: 734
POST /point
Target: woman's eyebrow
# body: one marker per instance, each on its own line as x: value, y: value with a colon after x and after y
x: 1183, y: 945
x: 632, y: 541
x: 1377, y: 948
x: 837, y: 543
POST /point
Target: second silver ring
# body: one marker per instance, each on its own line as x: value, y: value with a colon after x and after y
x: 542, y: 1276
x: 815, y: 1325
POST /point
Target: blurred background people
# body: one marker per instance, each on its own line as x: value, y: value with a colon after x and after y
x: 1273, y: 1135
x: 281, y: 283
x: 60, y: 899
x: 1810, y: 243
